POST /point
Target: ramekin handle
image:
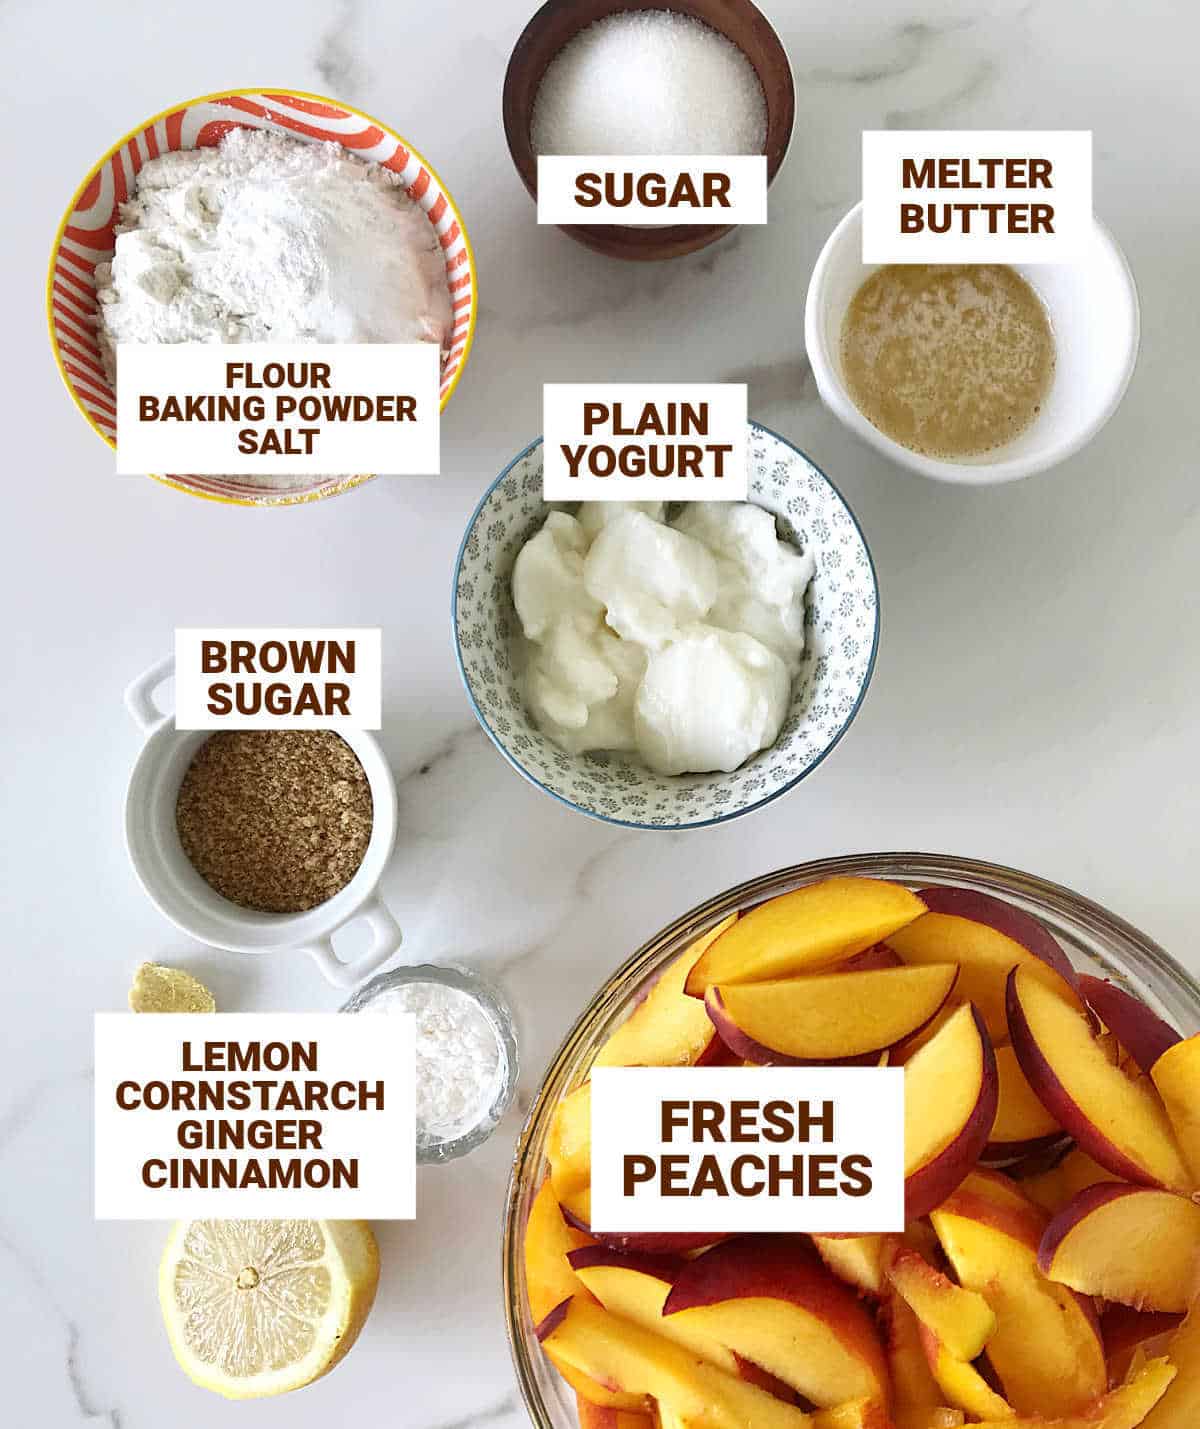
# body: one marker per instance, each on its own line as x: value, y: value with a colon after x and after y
x: 139, y: 695
x: 385, y: 939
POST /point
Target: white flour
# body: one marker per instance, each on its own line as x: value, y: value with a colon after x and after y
x: 264, y: 239
x: 460, y: 1061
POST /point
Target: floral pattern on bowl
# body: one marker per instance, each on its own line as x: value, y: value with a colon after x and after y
x: 841, y: 620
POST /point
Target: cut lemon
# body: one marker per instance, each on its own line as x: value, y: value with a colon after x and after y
x: 256, y: 1308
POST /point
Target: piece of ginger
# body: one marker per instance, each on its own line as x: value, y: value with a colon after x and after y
x: 159, y: 989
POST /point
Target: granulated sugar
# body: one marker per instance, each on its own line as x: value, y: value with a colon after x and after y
x: 649, y: 82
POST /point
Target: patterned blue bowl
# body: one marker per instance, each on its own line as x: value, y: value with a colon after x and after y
x: 842, y: 623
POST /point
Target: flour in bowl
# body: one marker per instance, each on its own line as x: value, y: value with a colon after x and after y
x: 267, y: 239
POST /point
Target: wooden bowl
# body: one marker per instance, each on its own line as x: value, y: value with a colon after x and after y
x: 559, y: 21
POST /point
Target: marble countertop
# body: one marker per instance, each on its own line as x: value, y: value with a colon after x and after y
x: 1034, y: 703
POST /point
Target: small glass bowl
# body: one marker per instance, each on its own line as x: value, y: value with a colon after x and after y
x: 489, y: 1001
x: 1096, y: 941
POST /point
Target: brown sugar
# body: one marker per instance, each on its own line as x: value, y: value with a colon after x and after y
x: 275, y: 820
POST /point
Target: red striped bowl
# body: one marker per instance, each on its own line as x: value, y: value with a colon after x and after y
x: 85, y: 238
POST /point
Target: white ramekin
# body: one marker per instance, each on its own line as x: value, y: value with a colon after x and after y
x: 1093, y: 307
x: 180, y: 894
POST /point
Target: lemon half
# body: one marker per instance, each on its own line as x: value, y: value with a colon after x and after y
x: 256, y: 1308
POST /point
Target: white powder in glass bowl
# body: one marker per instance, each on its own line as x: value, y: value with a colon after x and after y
x: 461, y: 1062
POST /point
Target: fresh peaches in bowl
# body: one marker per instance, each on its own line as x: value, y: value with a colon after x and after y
x: 1048, y: 1275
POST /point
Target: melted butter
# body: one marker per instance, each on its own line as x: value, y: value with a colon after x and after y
x: 948, y: 360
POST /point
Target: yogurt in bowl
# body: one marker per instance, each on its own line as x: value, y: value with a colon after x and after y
x: 841, y: 627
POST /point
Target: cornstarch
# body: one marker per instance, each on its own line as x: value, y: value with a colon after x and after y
x: 461, y: 1064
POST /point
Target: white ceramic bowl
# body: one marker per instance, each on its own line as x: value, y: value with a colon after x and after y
x: 1093, y: 307
x: 196, y: 908
x: 841, y: 629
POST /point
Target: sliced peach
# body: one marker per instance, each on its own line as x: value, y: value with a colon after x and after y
x: 1118, y: 1122
x: 1134, y: 1332
x: 950, y: 1093
x: 827, y: 1018
x: 1179, y: 1408
x: 771, y: 1300
x: 592, y: 1416
x: 978, y: 933
x: 960, y: 1382
x: 668, y: 1028
x: 961, y: 1319
x: 806, y: 930
x: 617, y: 1352
x: 636, y: 1288
x: 1126, y: 1243
x: 857, y: 1260
x: 1140, y: 1030
x: 1004, y: 918
x: 1046, y: 1349
x: 1123, y: 1408
x: 1176, y: 1074
x: 856, y: 1414
x: 569, y: 1143
x: 1060, y: 1183
x: 916, y: 1397
x: 1023, y: 1125
x: 577, y: 1212
x: 549, y: 1279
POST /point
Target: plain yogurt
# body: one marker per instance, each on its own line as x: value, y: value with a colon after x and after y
x: 675, y: 641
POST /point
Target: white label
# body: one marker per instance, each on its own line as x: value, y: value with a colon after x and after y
x: 267, y: 677
x: 976, y: 196
x: 726, y: 1149
x: 275, y: 409
x: 328, y: 1098
x: 652, y: 189
x: 638, y: 441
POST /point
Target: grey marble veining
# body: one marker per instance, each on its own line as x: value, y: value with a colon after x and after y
x: 1037, y: 652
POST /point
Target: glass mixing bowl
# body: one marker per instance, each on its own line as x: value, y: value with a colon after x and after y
x: 1097, y: 942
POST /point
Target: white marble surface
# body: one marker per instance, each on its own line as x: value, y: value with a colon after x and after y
x: 1035, y: 699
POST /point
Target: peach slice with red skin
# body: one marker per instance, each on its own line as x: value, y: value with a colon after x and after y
x: 668, y: 1028
x: 986, y: 937
x: 857, y: 1260
x: 577, y: 1213
x: 592, y: 1416
x: 1057, y: 1185
x: 828, y: 1018
x: 1124, y: 1408
x: 916, y: 1398
x: 960, y: 1382
x: 805, y: 931
x: 1023, y: 1126
x: 771, y: 1300
x: 1179, y: 1408
x: 1176, y: 1074
x: 1126, y: 1330
x: 1046, y: 1349
x: 1126, y: 1243
x: 1139, y: 1029
x: 636, y: 1287
x: 549, y: 1280
x: 1119, y: 1123
x: 961, y: 1319
x: 950, y: 1095
x: 692, y: 1392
